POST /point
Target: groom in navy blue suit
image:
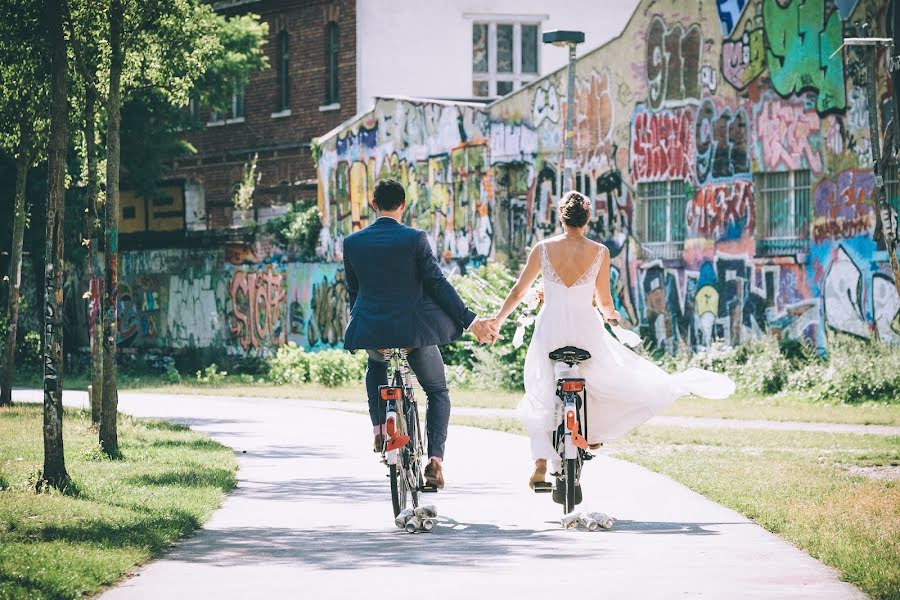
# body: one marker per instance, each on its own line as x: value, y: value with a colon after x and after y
x: 399, y: 298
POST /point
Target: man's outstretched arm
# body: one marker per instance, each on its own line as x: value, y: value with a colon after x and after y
x: 442, y: 291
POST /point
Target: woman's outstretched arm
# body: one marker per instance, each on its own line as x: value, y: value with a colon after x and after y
x: 518, y: 292
x: 601, y: 290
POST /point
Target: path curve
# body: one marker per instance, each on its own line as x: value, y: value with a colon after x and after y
x: 310, y: 518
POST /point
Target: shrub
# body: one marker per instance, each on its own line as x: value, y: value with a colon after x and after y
x: 298, y: 229
x: 289, y: 365
x: 862, y: 371
x: 502, y: 364
x: 171, y: 374
x: 211, y: 374
x: 334, y: 368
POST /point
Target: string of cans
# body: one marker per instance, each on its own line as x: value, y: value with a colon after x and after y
x: 414, y: 520
x: 591, y: 521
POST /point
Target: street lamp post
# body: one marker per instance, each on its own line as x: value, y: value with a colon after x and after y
x: 568, y: 39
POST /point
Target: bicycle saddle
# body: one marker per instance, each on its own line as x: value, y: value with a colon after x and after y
x: 570, y: 355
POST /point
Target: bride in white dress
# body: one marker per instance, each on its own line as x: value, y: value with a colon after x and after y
x: 623, y: 388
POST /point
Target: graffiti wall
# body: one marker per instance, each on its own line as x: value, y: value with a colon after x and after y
x: 242, y: 298
x: 725, y: 147
x: 438, y: 150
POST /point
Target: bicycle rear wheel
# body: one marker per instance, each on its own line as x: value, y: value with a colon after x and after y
x: 399, y: 488
x: 414, y: 454
x: 570, y: 477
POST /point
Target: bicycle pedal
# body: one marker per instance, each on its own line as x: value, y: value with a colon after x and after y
x: 428, y: 489
x: 543, y: 487
x: 588, y: 456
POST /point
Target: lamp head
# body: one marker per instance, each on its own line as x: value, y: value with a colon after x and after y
x: 563, y: 38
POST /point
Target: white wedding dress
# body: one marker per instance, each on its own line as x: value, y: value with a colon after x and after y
x: 623, y: 388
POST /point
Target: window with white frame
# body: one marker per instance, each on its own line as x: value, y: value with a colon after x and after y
x: 504, y: 57
x: 663, y: 206
x: 782, y: 212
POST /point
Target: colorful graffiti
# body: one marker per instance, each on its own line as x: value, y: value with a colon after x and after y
x: 662, y: 145
x: 789, y: 136
x: 801, y: 43
x: 722, y: 141
x: 721, y: 211
x: 673, y: 62
x: 744, y: 60
x: 487, y: 188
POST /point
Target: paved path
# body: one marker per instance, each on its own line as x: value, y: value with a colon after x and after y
x: 677, y: 421
x: 310, y: 518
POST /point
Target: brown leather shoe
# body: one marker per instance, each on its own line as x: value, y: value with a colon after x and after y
x: 434, y: 475
x: 379, y: 442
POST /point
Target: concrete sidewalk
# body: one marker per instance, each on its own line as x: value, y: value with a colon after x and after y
x: 311, y: 518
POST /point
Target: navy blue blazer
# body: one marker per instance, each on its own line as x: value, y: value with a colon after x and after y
x: 399, y: 297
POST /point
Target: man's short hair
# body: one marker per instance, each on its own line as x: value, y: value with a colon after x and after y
x: 389, y: 194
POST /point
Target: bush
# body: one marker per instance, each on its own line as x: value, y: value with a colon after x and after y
x: 862, y: 371
x: 502, y: 364
x: 298, y: 229
x: 289, y: 365
x: 333, y: 368
x: 212, y: 375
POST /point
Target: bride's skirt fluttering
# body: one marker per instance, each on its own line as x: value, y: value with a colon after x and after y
x: 623, y: 388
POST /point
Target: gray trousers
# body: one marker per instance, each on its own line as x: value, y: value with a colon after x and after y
x: 428, y: 365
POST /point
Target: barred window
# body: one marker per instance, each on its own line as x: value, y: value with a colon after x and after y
x: 663, y: 206
x: 782, y: 212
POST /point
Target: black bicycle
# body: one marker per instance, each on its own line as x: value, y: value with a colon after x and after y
x: 403, y: 450
x: 568, y: 438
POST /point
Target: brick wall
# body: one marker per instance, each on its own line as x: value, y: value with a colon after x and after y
x: 282, y: 143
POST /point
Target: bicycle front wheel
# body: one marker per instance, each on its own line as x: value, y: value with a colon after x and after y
x: 398, y: 488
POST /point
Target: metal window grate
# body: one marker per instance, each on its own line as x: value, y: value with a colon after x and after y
x: 783, y: 212
x: 664, y: 204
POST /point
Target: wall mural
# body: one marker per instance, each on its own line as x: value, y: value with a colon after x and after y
x: 245, y: 299
x: 708, y: 95
x: 717, y: 93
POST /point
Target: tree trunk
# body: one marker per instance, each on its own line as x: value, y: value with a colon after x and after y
x: 109, y: 439
x: 15, y: 277
x: 54, y: 459
x: 94, y: 267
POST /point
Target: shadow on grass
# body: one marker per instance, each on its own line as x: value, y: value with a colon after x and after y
x: 22, y: 586
x: 196, y: 477
x: 154, y: 533
x: 165, y: 426
x: 201, y: 444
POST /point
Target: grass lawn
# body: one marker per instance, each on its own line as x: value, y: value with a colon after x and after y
x: 803, y: 486
x: 119, y: 514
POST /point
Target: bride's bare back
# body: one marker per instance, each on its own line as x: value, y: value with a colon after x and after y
x: 571, y: 256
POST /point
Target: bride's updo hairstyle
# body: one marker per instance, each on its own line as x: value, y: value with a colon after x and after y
x: 574, y: 209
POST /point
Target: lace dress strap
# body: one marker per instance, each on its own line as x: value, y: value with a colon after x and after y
x: 547, y: 270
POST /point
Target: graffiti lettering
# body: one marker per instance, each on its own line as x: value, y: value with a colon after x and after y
x: 258, y: 309
x: 722, y: 211
x: 673, y: 62
x: 801, y: 42
x: 843, y: 207
x: 743, y: 60
x: 789, y: 135
x: 721, y: 143
x: 662, y: 145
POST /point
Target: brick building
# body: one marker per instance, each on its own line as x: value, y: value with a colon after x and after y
x: 309, y: 87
